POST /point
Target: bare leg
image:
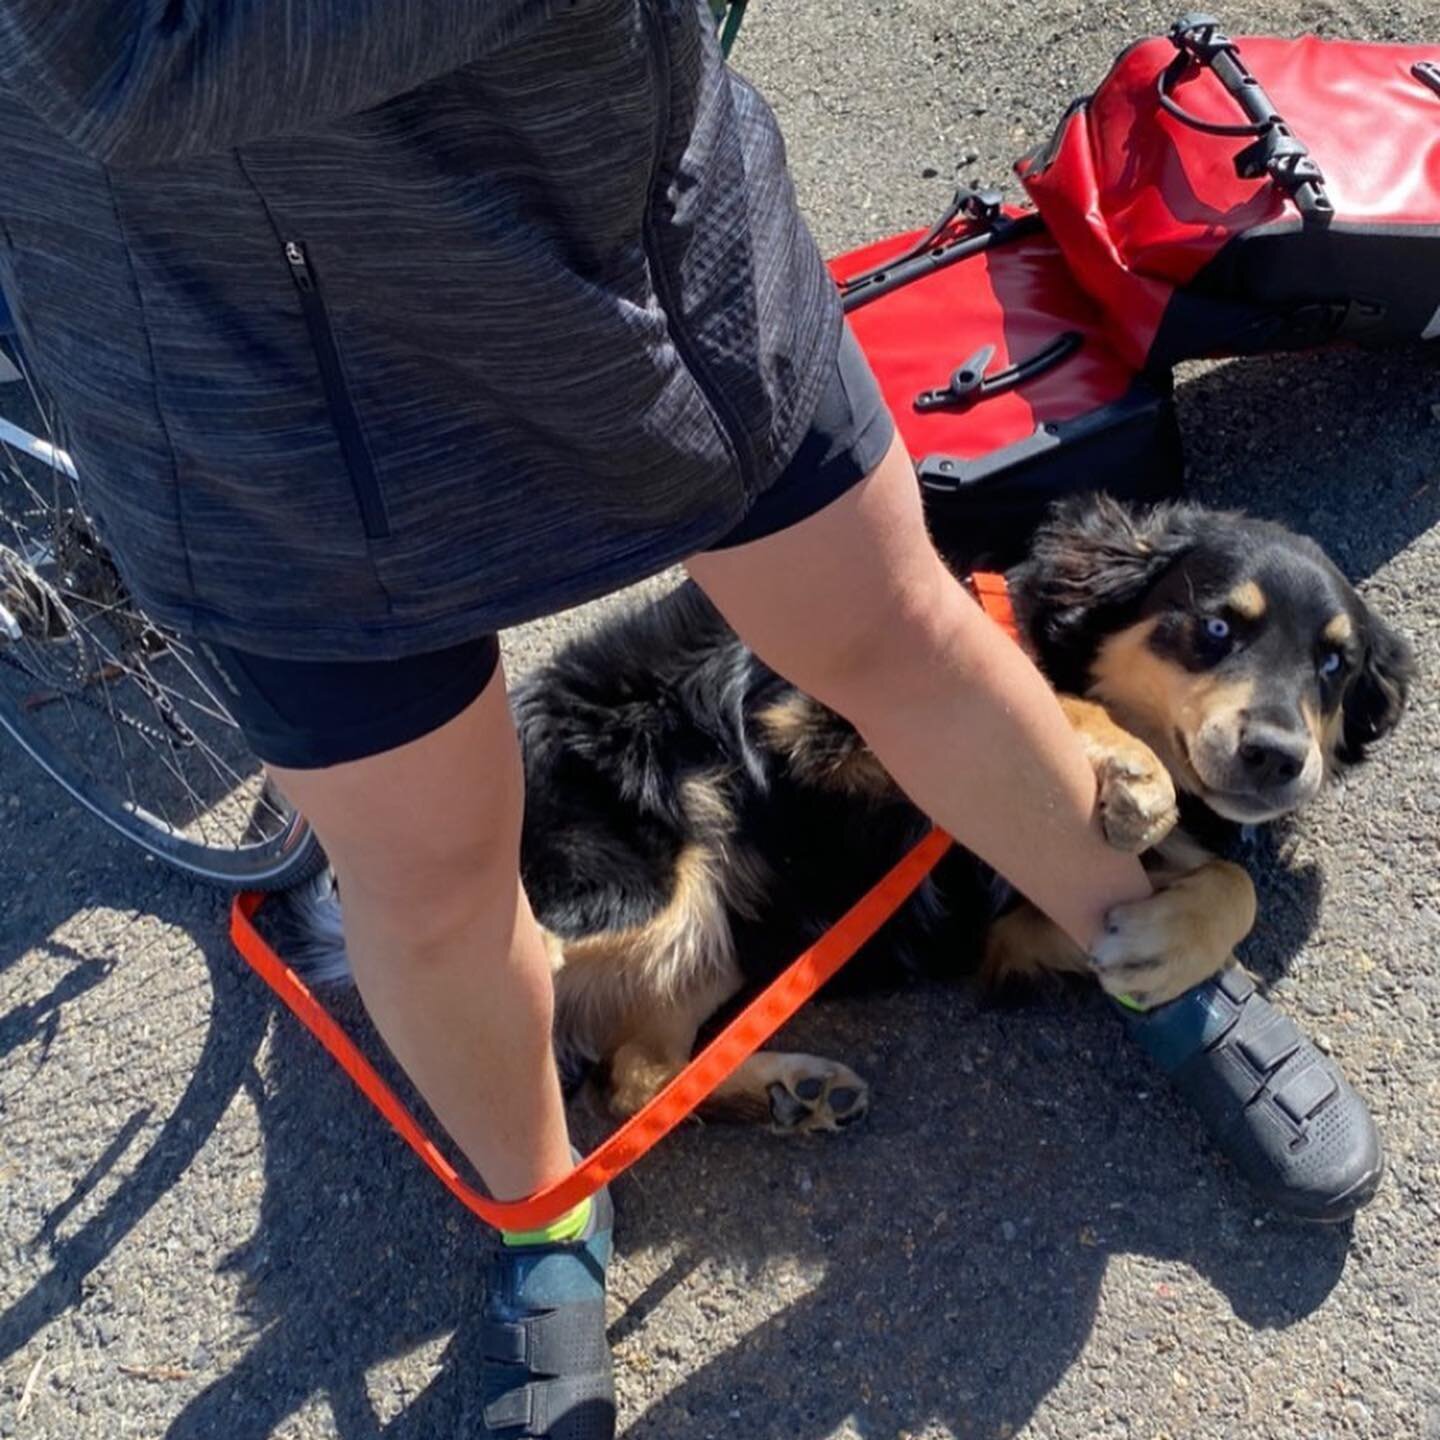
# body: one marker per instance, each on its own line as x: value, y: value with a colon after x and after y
x: 449, y: 960
x: 854, y: 606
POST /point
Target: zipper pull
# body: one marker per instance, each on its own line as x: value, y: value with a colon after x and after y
x: 299, y: 265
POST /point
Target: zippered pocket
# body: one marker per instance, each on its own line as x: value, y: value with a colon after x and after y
x: 337, y: 393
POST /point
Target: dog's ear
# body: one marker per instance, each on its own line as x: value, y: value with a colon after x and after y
x: 1376, y: 697
x: 1091, y: 562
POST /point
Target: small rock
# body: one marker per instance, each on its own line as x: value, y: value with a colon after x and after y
x: 1008, y: 1230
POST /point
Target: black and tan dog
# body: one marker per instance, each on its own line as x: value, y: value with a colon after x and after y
x: 693, y: 819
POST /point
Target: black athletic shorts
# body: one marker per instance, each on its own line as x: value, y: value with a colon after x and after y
x: 307, y: 714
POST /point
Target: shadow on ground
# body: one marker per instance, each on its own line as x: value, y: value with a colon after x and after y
x: 1344, y: 446
x: 225, y: 1062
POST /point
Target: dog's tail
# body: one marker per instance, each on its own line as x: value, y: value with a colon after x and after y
x: 307, y: 931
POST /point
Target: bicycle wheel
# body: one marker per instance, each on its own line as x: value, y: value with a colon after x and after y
x: 105, y: 701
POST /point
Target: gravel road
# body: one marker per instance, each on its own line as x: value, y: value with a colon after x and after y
x: 206, y: 1236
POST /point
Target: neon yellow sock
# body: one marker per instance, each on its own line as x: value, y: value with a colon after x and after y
x: 567, y: 1227
x: 1129, y: 1004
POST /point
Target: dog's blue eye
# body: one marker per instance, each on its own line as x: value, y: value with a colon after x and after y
x: 1330, y: 665
x: 1217, y: 629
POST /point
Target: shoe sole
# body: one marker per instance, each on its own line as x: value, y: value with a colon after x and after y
x: 1338, y: 1208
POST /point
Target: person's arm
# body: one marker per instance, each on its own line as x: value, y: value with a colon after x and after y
x: 140, y: 82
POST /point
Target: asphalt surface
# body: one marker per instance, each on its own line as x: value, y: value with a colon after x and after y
x: 206, y: 1234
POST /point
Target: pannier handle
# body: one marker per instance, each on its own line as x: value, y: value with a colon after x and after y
x: 1199, y: 42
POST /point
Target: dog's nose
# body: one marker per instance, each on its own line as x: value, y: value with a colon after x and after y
x: 1273, y: 757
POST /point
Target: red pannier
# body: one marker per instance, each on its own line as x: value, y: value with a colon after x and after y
x: 1222, y: 196
x: 1000, y: 375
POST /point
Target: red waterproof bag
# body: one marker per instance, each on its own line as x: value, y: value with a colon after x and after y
x: 1222, y: 196
x: 1002, y: 378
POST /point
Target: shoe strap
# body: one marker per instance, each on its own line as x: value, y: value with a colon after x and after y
x: 533, y: 1411
x: 1268, y: 1039
x: 1303, y: 1094
x: 1236, y: 984
x: 566, y: 1341
x: 515, y: 1414
x: 1255, y: 1055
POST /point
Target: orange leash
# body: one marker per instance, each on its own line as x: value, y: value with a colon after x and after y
x: 740, y: 1039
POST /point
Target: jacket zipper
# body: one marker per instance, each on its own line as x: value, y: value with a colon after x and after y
x: 337, y: 393
x: 728, y: 420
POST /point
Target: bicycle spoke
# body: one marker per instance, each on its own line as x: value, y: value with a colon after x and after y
x: 42, y: 672
x: 143, y: 680
x: 179, y: 651
x: 154, y: 748
x: 217, y: 763
x: 115, y: 728
x: 223, y: 770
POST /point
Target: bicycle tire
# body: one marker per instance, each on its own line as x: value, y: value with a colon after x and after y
x: 287, y: 861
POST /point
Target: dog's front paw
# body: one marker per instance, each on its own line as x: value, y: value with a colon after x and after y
x: 1154, y: 950
x: 1137, y: 798
x: 1135, y: 792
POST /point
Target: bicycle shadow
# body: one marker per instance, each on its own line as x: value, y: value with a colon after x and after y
x: 35, y: 912
x: 998, y: 1176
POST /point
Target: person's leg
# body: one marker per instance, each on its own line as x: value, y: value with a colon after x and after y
x: 854, y: 606
x: 410, y: 772
x: 449, y: 960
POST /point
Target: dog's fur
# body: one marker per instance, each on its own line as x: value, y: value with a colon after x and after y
x: 692, y: 819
